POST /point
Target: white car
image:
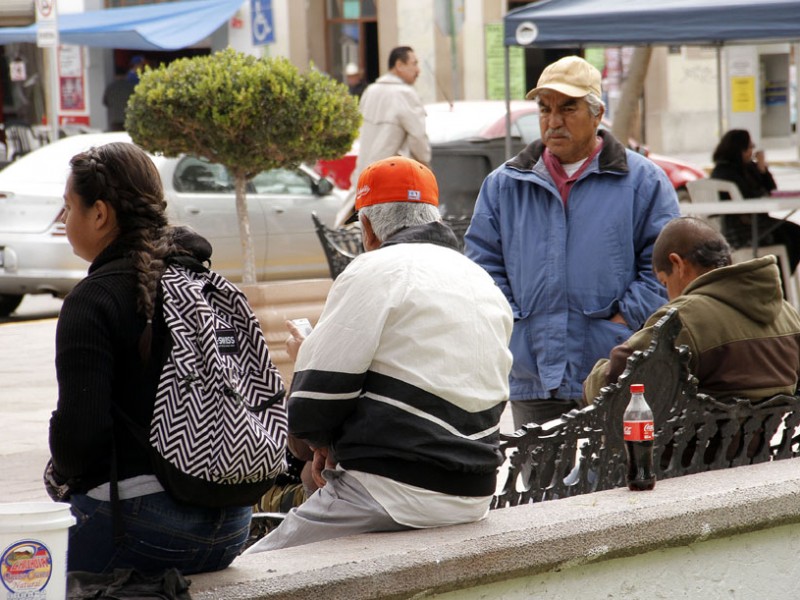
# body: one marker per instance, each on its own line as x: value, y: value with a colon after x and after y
x: 36, y: 258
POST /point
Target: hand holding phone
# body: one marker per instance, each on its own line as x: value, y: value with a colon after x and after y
x: 298, y: 331
x: 303, y: 326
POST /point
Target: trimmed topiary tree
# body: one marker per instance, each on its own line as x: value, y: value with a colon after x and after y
x: 245, y: 113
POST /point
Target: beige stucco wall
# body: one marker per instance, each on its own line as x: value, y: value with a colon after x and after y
x: 762, y: 564
x: 275, y: 302
x: 681, y: 100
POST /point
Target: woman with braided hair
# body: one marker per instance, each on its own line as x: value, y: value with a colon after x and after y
x: 109, y: 339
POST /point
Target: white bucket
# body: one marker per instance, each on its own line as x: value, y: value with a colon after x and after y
x: 33, y: 550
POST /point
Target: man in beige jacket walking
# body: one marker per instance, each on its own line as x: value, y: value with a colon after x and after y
x: 394, y: 116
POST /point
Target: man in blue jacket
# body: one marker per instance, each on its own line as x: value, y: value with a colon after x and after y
x: 566, y: 229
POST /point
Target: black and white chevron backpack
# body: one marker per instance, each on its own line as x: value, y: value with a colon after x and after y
x: 219, y: 426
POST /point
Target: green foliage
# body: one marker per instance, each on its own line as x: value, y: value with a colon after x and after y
x: 243, y: 112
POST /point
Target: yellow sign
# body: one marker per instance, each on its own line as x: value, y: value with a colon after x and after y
x: 495, y: 66
x: 743, y: 94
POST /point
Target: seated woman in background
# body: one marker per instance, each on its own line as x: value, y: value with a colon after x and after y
x: 734, y: 161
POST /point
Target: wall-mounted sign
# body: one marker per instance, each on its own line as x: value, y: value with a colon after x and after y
x: 261, y: 26
x: 743, y: 94
x: 17, y: 71
x: 46, y: 24
x: 73, y: 103
x: 495, y: 66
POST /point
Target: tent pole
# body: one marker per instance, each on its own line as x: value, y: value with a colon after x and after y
x: 53, y: 99
x: 507, y: 75
x: 720, y: 122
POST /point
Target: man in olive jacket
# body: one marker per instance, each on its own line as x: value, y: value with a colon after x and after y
x: 743, y: 336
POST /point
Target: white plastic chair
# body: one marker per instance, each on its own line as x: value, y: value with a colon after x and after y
x: 708, y: 190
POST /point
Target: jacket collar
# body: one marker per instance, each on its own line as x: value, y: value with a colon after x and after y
x: 431, y: 233
x: 191, y: 243
x: 612, y: 157
x: 390, y: 78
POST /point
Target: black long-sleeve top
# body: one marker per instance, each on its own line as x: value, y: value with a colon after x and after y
x: 98, y: 365
x: 752, y: 183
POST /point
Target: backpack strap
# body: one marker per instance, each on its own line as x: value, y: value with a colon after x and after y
x: 261, y: 407
x: 188, y: 262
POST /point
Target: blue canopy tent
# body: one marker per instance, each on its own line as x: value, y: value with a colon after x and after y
x: 570, y: 23
x: 554, y: 23
x: 167, y: 26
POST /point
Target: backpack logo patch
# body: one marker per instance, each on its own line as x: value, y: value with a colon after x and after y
x: 226, y: 341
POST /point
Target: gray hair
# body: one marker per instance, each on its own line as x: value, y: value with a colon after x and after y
x: 593, y: 100
x: 390, y: 217
x: 595, y: 103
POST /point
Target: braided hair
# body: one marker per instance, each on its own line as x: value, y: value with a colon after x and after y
x: 123, y: 175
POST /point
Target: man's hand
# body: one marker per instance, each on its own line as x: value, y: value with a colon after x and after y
x: 761, y: 161
x: 300, y: 449
x: 294, y: 340
x: 323, y: 459
x: 618, y: 318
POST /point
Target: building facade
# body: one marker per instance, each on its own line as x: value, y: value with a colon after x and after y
x: 691, y: 94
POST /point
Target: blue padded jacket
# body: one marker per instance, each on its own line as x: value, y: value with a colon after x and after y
x: 567, y: 269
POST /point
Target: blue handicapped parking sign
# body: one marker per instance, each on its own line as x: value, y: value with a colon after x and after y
x: 261, y: 22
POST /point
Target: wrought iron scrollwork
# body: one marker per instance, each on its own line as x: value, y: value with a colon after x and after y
x: 583, y: 451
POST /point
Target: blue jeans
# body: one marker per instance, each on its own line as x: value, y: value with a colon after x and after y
x: 158, y: 534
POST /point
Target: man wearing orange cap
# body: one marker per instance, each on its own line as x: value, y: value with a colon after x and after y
x: 566, y: 229
x: 400, y: 387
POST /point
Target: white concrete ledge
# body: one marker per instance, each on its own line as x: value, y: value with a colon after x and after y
x: 519, y: 541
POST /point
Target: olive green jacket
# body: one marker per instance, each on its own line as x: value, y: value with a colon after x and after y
x: 743, y: 336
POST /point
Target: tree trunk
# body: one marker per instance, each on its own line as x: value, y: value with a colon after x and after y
x: 625, y: 125
x: 248, y: 256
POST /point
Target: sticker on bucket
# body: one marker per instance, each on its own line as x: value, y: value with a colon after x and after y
x: 26, y: 567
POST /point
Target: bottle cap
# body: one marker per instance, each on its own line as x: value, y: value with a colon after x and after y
x: 637, y: 388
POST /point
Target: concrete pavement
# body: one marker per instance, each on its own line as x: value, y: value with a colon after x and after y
x: 27, y: 397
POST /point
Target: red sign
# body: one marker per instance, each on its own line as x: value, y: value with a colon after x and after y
x: 45, y: 7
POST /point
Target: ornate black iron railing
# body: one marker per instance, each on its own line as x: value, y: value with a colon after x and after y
x: 583, y: 451
x: 343, y: 244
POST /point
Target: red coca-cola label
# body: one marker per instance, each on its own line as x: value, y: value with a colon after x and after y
x: 637, y: 431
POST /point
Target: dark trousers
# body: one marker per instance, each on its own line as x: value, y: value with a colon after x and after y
x: 539, y: 410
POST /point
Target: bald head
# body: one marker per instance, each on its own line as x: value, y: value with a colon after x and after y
x: 695, y: 241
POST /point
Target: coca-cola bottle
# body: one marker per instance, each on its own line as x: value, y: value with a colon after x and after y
x: 638, y: 434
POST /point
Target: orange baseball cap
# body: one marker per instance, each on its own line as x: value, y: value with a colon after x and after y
x: 395, y: 179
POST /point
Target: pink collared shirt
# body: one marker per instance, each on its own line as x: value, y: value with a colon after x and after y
x: 560, y: 177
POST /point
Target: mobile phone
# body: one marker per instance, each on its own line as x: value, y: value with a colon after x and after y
x: 303, y: 325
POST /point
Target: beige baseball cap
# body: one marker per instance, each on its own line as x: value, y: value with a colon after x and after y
x: 572, y: 76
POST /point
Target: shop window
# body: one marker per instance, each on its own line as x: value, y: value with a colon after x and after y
x: 352, y: 34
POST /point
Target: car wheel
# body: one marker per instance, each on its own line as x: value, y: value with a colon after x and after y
x: 683, y: 194
x: 8, y: 304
